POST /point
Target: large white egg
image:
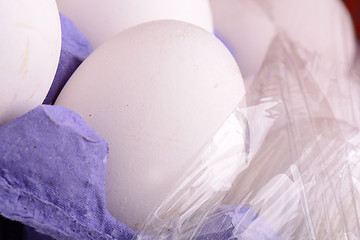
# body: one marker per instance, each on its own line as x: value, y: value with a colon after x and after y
x: 157, y: 93
x: 30, y: 45
x: 100, y: 21
x: 248, y: 26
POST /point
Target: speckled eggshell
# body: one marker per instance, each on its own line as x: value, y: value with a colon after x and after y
x: 248, y: 27
x: 100, y: 21
x: 29, y: 53
x: 157, y: 93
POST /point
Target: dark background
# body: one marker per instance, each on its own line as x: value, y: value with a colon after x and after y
x: 354, y: 8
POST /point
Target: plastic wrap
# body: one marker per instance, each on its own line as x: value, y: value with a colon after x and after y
x: 285, y: 167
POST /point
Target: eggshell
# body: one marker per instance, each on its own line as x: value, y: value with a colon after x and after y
x: 29, y: 54
x: 157, y: 93
x: 245, y: 29
x: 248, y: 26
x: 100, y: 21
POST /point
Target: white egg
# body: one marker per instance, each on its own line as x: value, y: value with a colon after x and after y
x: 157, y: 93
x: 248, y: 26
x: 100, y: 21
x: 30, y: 45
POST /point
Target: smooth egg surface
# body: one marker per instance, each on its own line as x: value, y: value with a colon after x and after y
x: 248, y: 27
x: 157, y: 93
x: 100, y: 21
x: 30, y: 45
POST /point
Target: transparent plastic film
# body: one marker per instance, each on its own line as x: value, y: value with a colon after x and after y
x: 302, y: 179
x: 286, y: 166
